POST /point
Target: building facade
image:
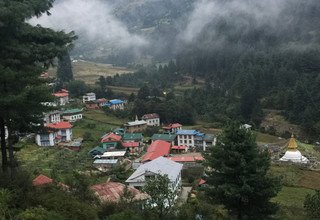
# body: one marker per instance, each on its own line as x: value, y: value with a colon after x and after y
x: 152, y: 119
x: 89, y: 97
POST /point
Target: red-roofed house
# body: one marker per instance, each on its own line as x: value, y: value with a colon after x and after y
x: 172, y: 128
x: 41, y: 180
x: 157, y: 149
x: 187, y: 159
x: 111, y: 137
x: 56, y: 132
x: 151, y: 119
x: 112, y: 192
x: 134, y: 148
x: 63, y: 129
x: 63, y: 96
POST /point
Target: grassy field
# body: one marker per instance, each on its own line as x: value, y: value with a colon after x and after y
x: 90, y: 71
x: 125, y: 90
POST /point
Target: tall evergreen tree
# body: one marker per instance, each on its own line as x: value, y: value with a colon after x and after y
x: 238, y: 177
x: 64, y: 71
x: 25, y: 52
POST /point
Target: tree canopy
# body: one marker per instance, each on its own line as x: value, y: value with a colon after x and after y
x: 25, y: 52
x: 238, y: 175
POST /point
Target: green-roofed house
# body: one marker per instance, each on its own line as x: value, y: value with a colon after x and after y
x: 72, y: 115
x: 132, y: 137
x: 97, y: 151
x: 171, y: 138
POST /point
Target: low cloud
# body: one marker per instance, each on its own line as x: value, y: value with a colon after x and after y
x: 262, y: 12
x: 92, y: 20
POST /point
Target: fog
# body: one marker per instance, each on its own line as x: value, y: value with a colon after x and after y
x: 91, y: 19
x: 244, y: 13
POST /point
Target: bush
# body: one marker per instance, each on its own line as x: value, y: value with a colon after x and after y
x: 312, y: 205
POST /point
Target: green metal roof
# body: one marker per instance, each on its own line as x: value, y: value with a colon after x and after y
x: 164, y: 137
x: 133, y: 136
x: 72, y: 111
x: 98, y: 148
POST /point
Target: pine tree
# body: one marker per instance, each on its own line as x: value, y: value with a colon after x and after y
x: 25, y: 52
x: 64, y: 71
x: 238, y: 177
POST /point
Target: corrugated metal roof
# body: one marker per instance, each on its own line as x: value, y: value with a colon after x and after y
x: 161, y: 166
x: 105, y: 161
x: 157, y: 149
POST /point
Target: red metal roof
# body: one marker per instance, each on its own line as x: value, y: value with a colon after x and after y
x: 60, y: 125
x: 157, y: 149
x: 101, y: 100
x: 112, y: 192
x: 178, y: 147
x: 131, y: 144
x: 186, y: 158
x: 61, y: 93
x: 111, y: 137
x: 150, y: 116
x: 174, y: 125
x: 41, y: 180
x: 201, y: 182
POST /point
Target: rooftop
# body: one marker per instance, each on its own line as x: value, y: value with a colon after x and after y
x: 157, y: 149
x: 72, y: 111
x: 189, y: 132
x: 131, y: 144
x: 41, y: 180
x: 105, y: 161
x: 174, y: 125
x: 135, y: 123
x: 178, y: 147
x: 111, y: 137
x: 114, y: 154
x: 115, y: 101
x: 61, y: 93
x: 60, y: 125
x: 132, y: 136
x: 161, y: 165
x: 150, y: 116
x: 186, y: 158
x: 112, y: 192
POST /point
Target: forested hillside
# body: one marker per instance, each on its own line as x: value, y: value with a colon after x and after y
x: 253, y: 55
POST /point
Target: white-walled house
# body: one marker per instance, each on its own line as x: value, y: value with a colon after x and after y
x: 89, y: 97
x: 48, y: 139
x: 62, y: 96
x: 160, y: 165
x: 56, y: 132
x: 72, y: 115
x: 115, y: 104
x: 152, y: 119
x: 52, y: 117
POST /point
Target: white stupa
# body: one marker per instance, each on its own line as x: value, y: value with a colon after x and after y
x: 293, y: 154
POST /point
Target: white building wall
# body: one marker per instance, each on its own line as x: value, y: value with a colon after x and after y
x: 186, y: 140
x: 153, y: 122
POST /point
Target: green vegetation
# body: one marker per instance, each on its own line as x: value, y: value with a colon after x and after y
x: 239, y: 179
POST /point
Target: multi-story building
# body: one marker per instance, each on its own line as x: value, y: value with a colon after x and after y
x: 89, y: 97
x: 72, y: 115
x: 52, y: 117
x: 162, y: 166
x: 152, y: 119
x: 62, y: 96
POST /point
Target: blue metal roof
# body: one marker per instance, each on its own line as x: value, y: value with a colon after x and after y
x: 115, y: 101
x: 190, y: 132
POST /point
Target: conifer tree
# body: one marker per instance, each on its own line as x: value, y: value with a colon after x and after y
x: 238, y: 175
x: 25, y: 52
x: 64, y: 71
